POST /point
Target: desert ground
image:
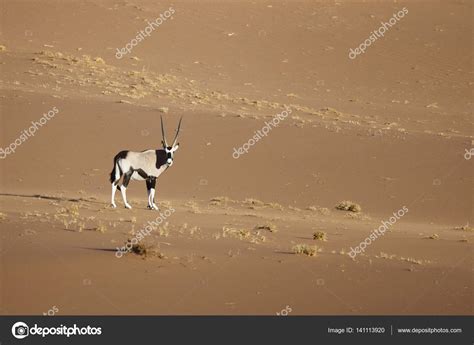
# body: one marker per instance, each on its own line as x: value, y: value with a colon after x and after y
x: 389, y: 129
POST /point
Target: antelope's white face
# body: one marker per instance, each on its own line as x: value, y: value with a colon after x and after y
x: 170, y: 153
x: 170, y: 150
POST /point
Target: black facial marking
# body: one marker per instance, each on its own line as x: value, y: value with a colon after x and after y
x: 169, y: 154
x: 161, y: 158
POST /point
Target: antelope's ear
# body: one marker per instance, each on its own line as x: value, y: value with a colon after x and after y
x: 176, y: 147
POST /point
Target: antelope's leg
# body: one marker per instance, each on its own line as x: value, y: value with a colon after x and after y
x: 116, y: 177
x: 148, y: 189
x: 123, y: 189
x: 114, y: 189
x: 152, y: 192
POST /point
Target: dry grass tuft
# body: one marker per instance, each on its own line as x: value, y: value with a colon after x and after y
x: 322, y: 210
x: 320, y: 236
x: 194, y: 208
x: 274, y: 205
x: 140, y: 249
x: 305, y: 249
x: 194, y: 230
x: 241, y: 234
x: 268, y: 227
x: 357, y: 216
x: 394, y: 256
x: 350, y: 206
x: 145, y: 250
x: 164, y: 204
x: 464, y: 228
x: 252, y: 203
x: 255, y: 203
x: 164, y: 230
x: 412, y: 260
x: 386, y: 256
x: 219, y: 201
x: 101, y: 228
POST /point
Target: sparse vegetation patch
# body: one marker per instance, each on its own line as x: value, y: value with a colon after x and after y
x: 268, y: 227
x: 350, y: 206
x: 305, y: 249
x: 320, y: 236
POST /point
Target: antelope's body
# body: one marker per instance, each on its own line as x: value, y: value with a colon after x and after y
x: 142, y: 166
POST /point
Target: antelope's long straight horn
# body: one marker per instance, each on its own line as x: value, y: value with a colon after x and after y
x: 163, y: 132
x: 177, y: 132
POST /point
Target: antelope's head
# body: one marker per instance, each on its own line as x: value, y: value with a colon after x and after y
x: 170, y: 150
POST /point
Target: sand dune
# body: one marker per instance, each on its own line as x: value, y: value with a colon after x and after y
x: 251, y: 235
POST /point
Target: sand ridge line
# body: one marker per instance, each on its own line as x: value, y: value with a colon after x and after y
x: 63, y: 73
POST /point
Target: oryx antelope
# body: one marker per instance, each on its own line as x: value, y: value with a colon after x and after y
x: 146, y: 166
